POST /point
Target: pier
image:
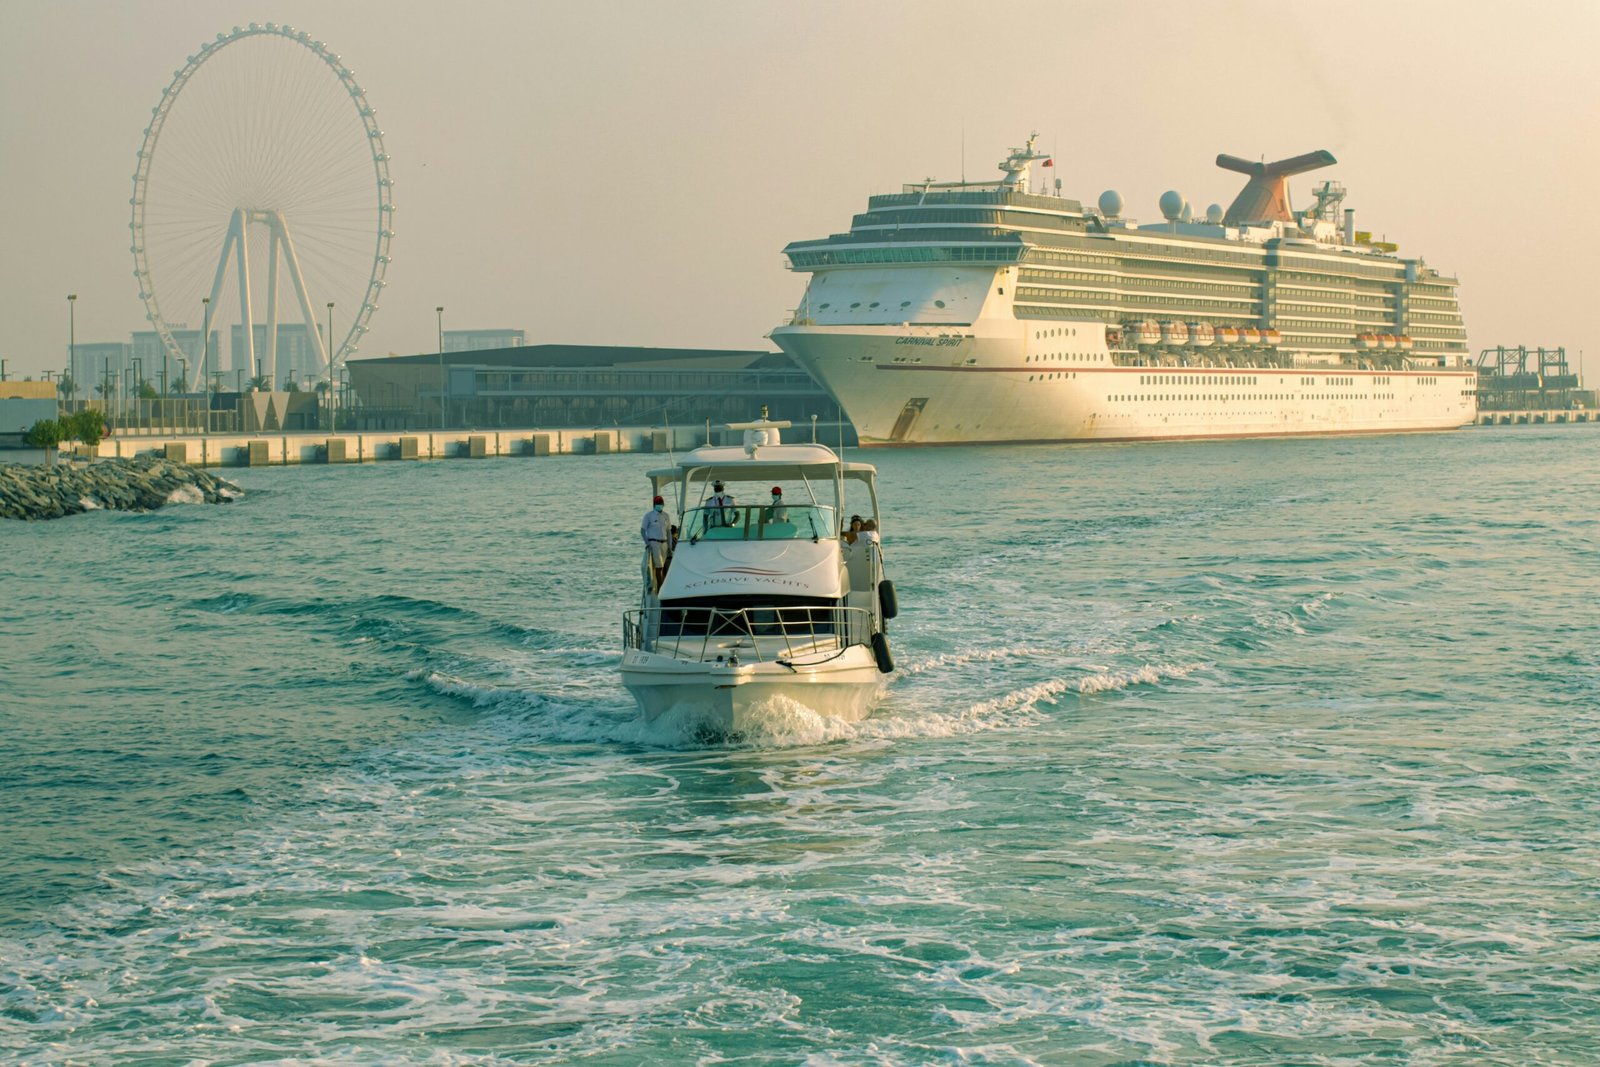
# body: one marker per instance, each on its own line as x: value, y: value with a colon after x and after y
x: 291, y: 449
x: 1537, y: 417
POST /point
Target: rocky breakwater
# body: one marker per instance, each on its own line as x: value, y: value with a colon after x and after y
x: 141, y: 484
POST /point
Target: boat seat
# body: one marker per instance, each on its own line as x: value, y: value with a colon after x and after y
x: 778, y: 531
x: 723, y: 533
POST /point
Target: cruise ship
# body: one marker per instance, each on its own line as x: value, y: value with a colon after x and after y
x: 962, y: 312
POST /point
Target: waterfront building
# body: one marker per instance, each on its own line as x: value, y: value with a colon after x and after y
x: 581, y: 386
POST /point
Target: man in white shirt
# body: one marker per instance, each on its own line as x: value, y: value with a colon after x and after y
x: 777, y: 512
x: 719, y: 513
x: 656, y: 530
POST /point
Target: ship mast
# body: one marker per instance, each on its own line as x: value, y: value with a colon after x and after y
x: 1016, y: 164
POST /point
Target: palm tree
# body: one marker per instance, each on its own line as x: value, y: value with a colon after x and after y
x: 260, y: 381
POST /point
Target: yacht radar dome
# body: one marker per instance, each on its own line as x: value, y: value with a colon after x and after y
x: 1214, y: 214
x: 1111, y: 203
x: 1171, y: 205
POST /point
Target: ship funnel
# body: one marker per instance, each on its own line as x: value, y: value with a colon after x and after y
x: 1349, y: 225
x: 1265, y: 197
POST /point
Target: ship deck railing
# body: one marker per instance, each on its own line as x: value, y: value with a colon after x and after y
x: 761, y: 635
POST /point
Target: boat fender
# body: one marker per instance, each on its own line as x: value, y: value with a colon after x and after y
x: 887, y: 600
x: 880, y: 652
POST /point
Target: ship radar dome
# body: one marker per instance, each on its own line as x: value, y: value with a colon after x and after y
x: 1171, y: 205
x: 1187, y: 214
x: 1214, y: 214
x: 1111, y: 203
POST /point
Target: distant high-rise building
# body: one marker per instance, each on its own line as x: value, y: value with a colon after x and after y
x: 93, y: 362
x: 151, y: 352
x: 296, y: 355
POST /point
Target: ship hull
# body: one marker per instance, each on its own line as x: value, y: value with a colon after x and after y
x: 982, y: 384
x: 721, y: 699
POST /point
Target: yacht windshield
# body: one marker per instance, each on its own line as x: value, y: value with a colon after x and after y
x: 783, y: 522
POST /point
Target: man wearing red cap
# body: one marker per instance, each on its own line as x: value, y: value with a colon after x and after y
x: 656, y: 529
x: 777, y: 512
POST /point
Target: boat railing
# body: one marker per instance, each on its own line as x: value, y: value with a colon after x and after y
x: 776, y: 634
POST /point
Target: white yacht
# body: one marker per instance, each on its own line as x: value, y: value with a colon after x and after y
x: 761, y: 603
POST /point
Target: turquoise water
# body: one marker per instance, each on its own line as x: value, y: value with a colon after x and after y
x: 1250, y: 752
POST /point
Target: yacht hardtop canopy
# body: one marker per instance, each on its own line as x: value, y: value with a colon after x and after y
x: 809, y: 464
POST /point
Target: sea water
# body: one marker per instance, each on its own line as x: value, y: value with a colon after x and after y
x: 1274, y: 752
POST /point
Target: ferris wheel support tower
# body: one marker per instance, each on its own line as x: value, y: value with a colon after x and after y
x: 281, y: 246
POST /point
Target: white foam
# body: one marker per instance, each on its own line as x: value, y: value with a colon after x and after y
x: 186, y: 494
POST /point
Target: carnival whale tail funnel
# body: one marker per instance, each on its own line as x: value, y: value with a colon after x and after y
x: 1265, y: 197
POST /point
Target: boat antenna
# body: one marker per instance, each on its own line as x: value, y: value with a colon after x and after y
x: 666, y: 420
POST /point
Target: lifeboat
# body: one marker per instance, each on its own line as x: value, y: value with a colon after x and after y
x: 1406, y: 343
x: 1388, y: 340
x: 1174, y: 333
x: 1270, y: 337
x: 1250, y: 336
x: 1201, y: 335
x: 1367, y: 340
x: 1227, y: 335
x: 1145, y: 333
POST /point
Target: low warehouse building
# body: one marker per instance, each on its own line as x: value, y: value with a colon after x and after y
x: 538, y: 386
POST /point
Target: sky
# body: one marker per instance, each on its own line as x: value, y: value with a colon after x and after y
x: 628, y: 173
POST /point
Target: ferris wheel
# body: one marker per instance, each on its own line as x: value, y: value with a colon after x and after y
x: 263, y: 153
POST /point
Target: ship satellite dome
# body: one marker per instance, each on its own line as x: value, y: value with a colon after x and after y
x: 1214, y: 214
x: 1171, y: 204
x: 1111, y: 203
x: 1187, y: 213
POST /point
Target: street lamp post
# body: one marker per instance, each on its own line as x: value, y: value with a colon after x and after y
x: 72, y: 340
x: 185, y: 363
x: 332, y: 426
x: 138, y: 389
x: 205, y: 357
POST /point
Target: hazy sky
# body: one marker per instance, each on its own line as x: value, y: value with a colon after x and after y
x: 629, y: 173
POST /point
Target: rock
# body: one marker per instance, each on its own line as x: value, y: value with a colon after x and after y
x: 141, y: 484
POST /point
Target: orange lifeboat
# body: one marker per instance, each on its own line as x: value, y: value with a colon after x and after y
x: 1201, y: 334
x: 1227, y: 335
x: 1388, y: 340
x: 1406, y: 343
x: 1367, y: 340
x: 1270, y: 337
x: 1174, y: 333
x: 1250, y: 335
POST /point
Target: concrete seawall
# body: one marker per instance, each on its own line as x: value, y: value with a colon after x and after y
x: 369, y: 446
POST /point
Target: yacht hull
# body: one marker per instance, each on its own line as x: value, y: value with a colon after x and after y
x: 734, y: 699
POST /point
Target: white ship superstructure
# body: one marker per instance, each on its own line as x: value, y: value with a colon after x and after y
x: 967, y: 312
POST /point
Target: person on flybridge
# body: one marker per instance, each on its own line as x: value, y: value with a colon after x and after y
x: 656, y: 530
x: 777, y: 512
x: 720, y: 504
